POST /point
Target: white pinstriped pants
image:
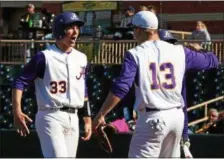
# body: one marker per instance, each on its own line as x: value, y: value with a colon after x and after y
x: 58, y: 133
x: 157, y: 134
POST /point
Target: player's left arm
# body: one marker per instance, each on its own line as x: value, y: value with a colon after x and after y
x: 185, y: 137
x: 185, y: 141
x: 120, y: 87
x: 196, y: 60
x: 85, y: 112
x: 185, y: 130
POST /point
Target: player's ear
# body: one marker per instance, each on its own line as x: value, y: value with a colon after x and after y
x: 138, y: 29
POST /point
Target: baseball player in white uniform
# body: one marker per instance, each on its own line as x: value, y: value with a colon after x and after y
x: 59, y: 76
x: 158, y: 69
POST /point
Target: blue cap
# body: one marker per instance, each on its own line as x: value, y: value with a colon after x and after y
x: 165, y: 35
x: 130, y: 8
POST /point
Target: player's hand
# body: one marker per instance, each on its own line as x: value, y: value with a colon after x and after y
x: 87, y: 128
x: 20, y: 120
x: 186, y: 142
x: 98, y: 120
x: 194, y: 46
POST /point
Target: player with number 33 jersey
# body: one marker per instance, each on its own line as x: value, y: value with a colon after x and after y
x: 58, y: 73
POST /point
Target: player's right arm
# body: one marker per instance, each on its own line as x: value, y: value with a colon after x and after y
x: 35, y: 68
x: 120, y: 88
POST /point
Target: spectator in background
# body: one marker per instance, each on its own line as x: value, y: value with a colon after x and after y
x: 30, y: 11
x: 201, y: 33
x: 26, y: 22
x: 210, y: 125
x: 218, y: 127
x: 213, y: 115
x: 126, y: 23
x: 143, y: 8
x: 129, y: 13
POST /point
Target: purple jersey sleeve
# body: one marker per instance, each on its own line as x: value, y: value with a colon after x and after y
x: 185, y: 130
x: 199, y: 61
x: 184, y: 95
x: 124, y: 82
x: 35, y: 68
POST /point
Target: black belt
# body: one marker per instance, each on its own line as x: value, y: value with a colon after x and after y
x: 155, y: 109
x: 69, y: 109
x: 151, y: 109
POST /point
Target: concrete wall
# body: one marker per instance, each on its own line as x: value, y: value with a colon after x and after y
x: 12, y: 145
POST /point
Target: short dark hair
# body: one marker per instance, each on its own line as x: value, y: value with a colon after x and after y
x: 151, y: 7
x: 30, y: 6
x: 143, y: 8
x: 130, y: 8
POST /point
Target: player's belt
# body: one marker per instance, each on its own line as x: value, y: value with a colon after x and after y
x: 151, y: 109
x: 69, y: 109
x: 155, y: 109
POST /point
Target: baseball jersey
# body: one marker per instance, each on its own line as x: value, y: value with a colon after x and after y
x: 184, y: 59
x: 41, y: 70
x: 160, y: 75
x: 63, y: 82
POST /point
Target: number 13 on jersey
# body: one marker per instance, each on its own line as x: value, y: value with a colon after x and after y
x: 169, y: 80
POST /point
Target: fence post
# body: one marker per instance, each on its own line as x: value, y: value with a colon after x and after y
x: 25, y: 57
x: 206, y: 110
x: 182, y: 35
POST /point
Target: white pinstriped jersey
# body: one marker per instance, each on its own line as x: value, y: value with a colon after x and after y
x: 161, y: 69
x: 63, y: 80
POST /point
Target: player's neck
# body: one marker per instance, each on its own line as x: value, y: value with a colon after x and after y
x: 63, y: 48
x: 148, y: 38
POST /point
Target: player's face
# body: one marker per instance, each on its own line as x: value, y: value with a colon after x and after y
x: 137, y: 33
x: 71, y: 35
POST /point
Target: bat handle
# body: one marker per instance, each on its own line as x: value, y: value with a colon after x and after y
x: 187, y: 152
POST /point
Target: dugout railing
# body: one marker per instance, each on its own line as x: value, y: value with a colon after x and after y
x: 205, y: 105
x: 180, y: 34
x: 98, y: 51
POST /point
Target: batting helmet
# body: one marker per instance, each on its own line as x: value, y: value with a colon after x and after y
x: 165, y: 35
x: 62, y: 21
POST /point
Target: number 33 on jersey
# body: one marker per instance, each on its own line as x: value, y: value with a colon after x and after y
x: 64, y: 78
x: 61, y: 86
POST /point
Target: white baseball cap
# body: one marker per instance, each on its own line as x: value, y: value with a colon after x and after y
x: 146, y: 20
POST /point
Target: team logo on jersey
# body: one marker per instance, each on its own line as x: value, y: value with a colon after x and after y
x: 82, y: 73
